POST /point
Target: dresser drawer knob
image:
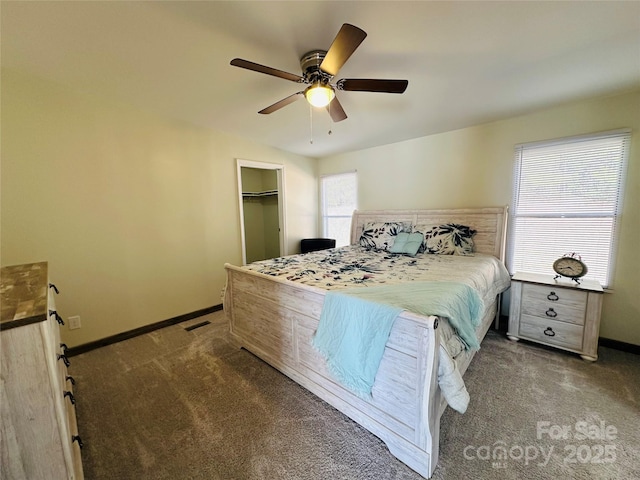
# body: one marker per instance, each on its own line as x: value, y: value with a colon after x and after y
x: 71, y: 397
x: 69, y: 378
x: 549, y: 332
x: 76, y: 438
x: 64, y: 359
x: 551, y: 313
x: 55, y: 289
x: 553, y: 297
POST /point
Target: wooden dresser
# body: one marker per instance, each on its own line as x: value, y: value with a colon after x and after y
x: 38, y: 431
x: 559, y: 313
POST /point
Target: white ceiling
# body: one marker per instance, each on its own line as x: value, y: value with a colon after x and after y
x: 466, y: 62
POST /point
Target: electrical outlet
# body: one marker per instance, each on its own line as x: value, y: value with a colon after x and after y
x: 74, y: 322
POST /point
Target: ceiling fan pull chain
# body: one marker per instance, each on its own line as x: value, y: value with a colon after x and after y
x: 330, y: 119
x: 311, y: 124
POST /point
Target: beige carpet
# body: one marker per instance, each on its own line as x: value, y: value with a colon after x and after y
x: 175, y: 404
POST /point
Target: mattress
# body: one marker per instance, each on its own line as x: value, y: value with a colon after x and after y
x: 356, y: 266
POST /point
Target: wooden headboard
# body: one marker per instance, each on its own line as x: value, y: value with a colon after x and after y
x: 489, y: 223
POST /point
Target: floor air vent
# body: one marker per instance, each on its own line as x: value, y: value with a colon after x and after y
x: 197, y: 325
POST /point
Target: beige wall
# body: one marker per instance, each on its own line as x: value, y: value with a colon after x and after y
x: 272, y: 228
x: 135, y: 214
x: 473, y: 167
x: 253, y: 212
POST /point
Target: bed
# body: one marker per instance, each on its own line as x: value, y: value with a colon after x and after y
x: 274, y: 310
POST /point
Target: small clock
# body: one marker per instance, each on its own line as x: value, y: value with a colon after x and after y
x: 571, y: 266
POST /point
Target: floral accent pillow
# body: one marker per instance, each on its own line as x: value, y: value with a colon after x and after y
x: 380, y: 235
x: 422, y: 229
x: 448, y: 239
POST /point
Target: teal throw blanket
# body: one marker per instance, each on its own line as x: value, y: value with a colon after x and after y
x: 355, y: 324
x: 352, y: 335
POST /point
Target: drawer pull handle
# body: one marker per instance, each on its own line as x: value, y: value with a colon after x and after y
x: 553, y: 297
x: 76, y: 438
x: 69, y: 378
x: 551, y: 313
x: 58, y: 317
x: 64, y: 359
x: 549, y: 332
x: 55, y: 289
x: 64, y: 348
x: 71, y: 397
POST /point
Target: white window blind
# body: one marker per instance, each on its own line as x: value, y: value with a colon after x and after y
x: 339, y: 197
x: 567, y: 198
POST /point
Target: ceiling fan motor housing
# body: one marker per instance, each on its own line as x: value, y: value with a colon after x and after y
x: 310, y: 65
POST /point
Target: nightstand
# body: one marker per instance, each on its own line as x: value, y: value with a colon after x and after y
x: 559, y: 313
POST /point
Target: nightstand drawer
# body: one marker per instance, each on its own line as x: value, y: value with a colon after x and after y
x: 551, y: 332
x: 552, y: 303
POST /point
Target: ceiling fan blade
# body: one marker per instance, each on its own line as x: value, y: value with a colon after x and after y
x: 239, y: 62
x: 372, y: 85
x: 336, y: 111
x: 345, y: 43
x: 282, y: 103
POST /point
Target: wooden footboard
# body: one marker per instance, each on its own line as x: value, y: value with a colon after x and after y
x: 275, y: 320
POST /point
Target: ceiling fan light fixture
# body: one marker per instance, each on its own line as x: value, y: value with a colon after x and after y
x: 319, y: 95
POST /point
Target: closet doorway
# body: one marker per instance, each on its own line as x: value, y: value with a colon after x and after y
x: 261, y: 197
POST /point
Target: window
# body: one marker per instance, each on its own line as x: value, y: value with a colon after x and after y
x: 567, y: 198
x: 339, y: 197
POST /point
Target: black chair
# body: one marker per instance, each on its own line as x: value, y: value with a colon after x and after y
x: 314, y: 244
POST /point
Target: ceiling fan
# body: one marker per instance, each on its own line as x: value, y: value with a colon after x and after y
x: 318, y: 69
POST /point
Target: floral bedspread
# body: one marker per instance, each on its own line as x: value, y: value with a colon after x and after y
x: 353, y: 266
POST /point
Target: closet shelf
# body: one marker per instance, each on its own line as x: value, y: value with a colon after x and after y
x: 266, y: 193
